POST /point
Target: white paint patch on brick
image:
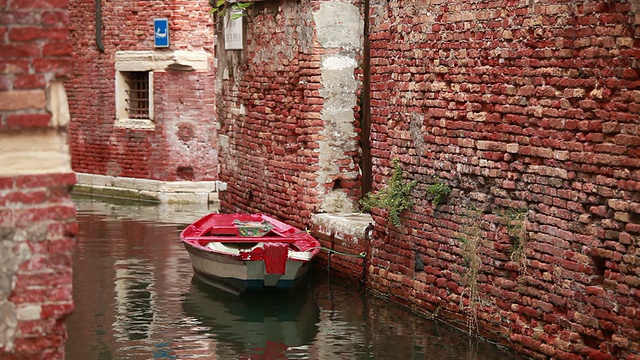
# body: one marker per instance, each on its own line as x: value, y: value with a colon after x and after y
x: 338, y: 62
x: 338, y: 24
x: 57, y: 103
x: 8, y: 325
x: 29, y: 312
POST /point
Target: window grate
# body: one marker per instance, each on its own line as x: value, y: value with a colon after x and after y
x: 137, y: 94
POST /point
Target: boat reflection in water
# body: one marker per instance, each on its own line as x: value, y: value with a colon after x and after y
x: 270, y: 325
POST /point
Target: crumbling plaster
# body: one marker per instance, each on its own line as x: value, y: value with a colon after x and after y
x: 339, y: 30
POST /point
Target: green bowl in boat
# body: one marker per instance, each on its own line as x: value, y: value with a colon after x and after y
x: 252, y: 228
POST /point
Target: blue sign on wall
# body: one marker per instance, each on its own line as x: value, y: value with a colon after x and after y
x: 161, y: 32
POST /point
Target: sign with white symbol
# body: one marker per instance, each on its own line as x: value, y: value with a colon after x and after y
x: 233, y: 30
x: 161, y: 32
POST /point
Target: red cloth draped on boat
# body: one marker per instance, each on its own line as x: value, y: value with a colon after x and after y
x: 275, y: 257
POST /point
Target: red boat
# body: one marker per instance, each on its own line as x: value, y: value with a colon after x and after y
x: 248, y: 252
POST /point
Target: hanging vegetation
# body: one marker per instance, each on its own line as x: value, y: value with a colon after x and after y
x: 236, y: 10
x: 517, y: 220
x: 470, y: 244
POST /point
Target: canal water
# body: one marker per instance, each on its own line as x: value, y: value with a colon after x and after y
x: 136, y: 298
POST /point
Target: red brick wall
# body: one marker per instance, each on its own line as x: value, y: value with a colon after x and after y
x: 349, y: 254
x: 182, y: 96
x: 185, y: 131
x: 37, y: 216
x: 271, y: 161
x: 515, y: 104
x: 271, y: 148
x: 38, y: 229
x: 34, y: 49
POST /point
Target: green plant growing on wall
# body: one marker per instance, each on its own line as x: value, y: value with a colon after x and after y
x: 470, y: 244
x: 517, y: 220
x: 394, y: 198
x: 439, y: 190
x: 236, y: 10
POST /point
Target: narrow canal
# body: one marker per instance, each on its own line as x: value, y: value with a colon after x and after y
x: 136, y: 298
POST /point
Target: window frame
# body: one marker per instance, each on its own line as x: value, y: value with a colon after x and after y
x: 151, y: 61
x: 123, y: 97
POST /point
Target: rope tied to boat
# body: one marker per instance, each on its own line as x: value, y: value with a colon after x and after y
x: 362, y: 255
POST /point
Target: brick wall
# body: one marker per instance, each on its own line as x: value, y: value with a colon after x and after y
x: 520, y: 107
x: 36, y: 246
x: 182, y: 146
x: 37, y: 222
x: 272, y: 106
x: 528, y: 111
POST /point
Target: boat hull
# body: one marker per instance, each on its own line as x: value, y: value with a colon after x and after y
x: 240, y: 276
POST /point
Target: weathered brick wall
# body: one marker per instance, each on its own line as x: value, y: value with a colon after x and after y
x: 272, y: 106
x: 37, y: 216
x: 182, y: 146
x: 515, y: 105
x: 270, y: 123
x: 522, y: 108
x: 348, y: 255
x: 191, y: 147
x: 37, y: 233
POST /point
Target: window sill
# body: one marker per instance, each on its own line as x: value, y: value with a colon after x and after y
x: 135, y: 124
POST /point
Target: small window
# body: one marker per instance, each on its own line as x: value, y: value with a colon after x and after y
x: 134, y: 100
x: 137, y: 101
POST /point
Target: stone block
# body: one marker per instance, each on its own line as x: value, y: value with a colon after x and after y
x: 28, y: 312
x: 187, y: 186
x: 352, y: 224
x: 124, y: 182
x: 82, y: 189
x: 147, y: 185
x: 145, y: 195
x: 102, y: 180
x: 115, y: 192
x: 83, y: 178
